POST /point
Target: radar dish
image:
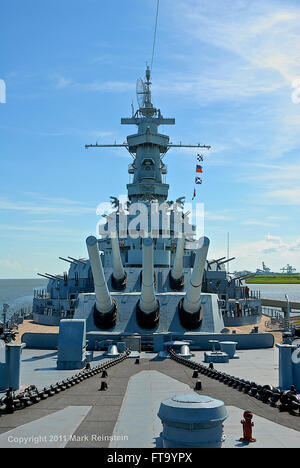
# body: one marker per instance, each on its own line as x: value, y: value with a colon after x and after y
x: 141, y: 92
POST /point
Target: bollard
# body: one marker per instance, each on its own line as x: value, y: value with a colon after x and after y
x: 9, y: 401
x: 198, y: 385
x: 229, y: 347
x: 104, y: 386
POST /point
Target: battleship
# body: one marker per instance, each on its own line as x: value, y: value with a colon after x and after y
x: 151, y: 349
x: 127, y: 255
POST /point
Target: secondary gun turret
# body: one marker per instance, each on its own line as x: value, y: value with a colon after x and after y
x: 176, y: 276
x: 119, y: 277
x: 148, y: 306
x: 214, y: 261
x: 105, y: 311
x: 190, y: 312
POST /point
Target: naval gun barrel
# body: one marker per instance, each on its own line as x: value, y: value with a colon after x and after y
x: 148, y: 306
x: 226, y: 261
x: 240, y: 278
x: 105, y: 307
x: 119, y: 277
x: 78, y: 260
x: 190, y: 307
x: 66, y: 260
x: 176, y: 274
x: 46, y: 276
x: 54, y: 276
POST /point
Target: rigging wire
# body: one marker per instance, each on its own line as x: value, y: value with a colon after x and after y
x: 154, y: 38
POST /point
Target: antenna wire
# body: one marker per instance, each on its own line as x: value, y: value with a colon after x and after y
x: 154, y: 38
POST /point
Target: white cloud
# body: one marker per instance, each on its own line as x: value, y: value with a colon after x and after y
x: 63, y: 82
x: 209, y: 216
x: 277, y: 184
x: 111, y: 86
x: 262, y: 34
x: 229, y: 86
x: 288, y: 196
x: 273, y: 248
x: 57, y: 206
x: 275, y: 239
x: 8, y: 265
x: 245, y: 53
x: 257, y: 222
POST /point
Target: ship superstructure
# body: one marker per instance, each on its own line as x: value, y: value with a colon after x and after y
x: 149, y: 255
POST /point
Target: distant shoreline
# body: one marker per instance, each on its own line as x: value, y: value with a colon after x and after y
x: 274, y: 279
x: 22, y: 279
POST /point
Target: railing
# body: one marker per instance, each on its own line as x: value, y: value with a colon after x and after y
x: 272, y: 312
x: 242, y: 313
x: 277, y: 317
x: 41, y: 294
x: 254, y: 294
x: 240, y: 293
x: 55, y: 313
x: 13, y: 320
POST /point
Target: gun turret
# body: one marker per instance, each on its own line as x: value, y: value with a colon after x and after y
x: 148, y: 306
x: 214, y: 261
x: 176, y: 276
x: 190, y: 312
x: 105, y: 311
x: 119, y: 277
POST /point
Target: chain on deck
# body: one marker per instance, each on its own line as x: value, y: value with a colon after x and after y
x: 31, y: 395
x: 283, y: 400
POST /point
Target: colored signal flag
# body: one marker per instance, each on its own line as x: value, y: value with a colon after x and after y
x: 199, y: 168
x: 198, y: 181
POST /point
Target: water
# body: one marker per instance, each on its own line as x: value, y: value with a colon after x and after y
x: 277, y: 291
x: 18, y: 293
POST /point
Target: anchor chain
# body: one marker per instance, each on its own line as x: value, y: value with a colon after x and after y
x: 283, y: 400
x: 31, y: 395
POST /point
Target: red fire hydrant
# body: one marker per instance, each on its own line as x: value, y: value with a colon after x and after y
x: 247, y: 427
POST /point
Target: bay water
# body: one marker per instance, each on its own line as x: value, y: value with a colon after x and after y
x: 18, y: 293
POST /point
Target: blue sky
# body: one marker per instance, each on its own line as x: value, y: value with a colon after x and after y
x: 225, y: 71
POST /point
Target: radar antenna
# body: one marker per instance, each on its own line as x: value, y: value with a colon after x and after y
x: 142, y: 92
